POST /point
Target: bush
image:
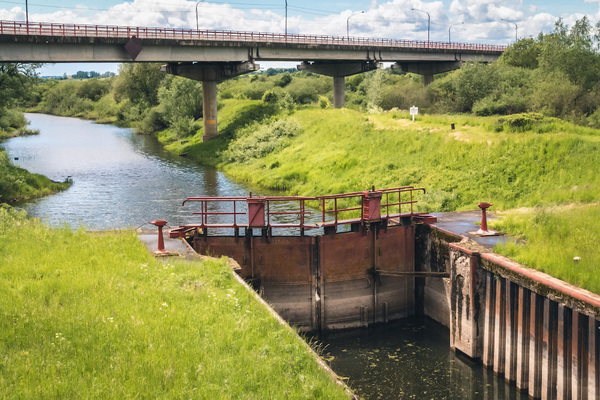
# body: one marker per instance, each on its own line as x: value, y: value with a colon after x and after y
x: 152, y: 122
x: 184, y: 126
x: 270, y: 97
x: 257, y: 141
x: 324, y: 102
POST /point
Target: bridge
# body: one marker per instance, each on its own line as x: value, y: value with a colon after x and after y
x: 214, y: 56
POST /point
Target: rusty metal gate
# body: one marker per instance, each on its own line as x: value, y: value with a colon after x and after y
x: 332, y: 273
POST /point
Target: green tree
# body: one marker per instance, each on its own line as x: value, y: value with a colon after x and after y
x: 180, y: 98
x: 139, y: 82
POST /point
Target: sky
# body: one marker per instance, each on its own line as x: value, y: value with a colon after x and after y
x: 470, y: 21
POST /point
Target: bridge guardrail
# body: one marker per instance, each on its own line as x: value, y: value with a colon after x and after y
x: 107, y: 31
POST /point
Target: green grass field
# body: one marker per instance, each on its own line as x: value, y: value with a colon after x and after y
x: 93, y: 315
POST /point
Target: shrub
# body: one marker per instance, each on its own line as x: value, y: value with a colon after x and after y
x: 257, y: 141
x: 270, y: 97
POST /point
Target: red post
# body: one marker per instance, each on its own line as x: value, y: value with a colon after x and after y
x: 161, y: 243
x: 484, y: 206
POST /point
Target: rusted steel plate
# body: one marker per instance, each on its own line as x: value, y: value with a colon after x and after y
x: 217, y: 246
x: 283, y: 259
x: 345, y: 256
x: 396, y: 249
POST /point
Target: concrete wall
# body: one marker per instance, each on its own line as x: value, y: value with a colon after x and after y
x: 432, y: 254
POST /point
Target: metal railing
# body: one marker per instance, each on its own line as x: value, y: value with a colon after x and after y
x: 107, y: 31
x: 393, y: 198
x: 263, y: 212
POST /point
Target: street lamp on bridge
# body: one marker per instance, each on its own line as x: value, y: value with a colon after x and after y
x: 348, y: 23
x: 286, y: 20
x: 27, y: 16
x: 460, y: 23
x: 428, y: 22
x: 516, y: 28
x: 198, y: 2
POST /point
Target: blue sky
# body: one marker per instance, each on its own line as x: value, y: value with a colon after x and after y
x: 473, y: 21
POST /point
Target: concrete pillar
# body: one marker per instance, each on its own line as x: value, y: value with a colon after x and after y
x: 523, y: 338
x: 593, y: 365
x: 210, y: 73
x: 563, y: 372
x: 535, y: 345
x: 209, y: 109
x: 576, y: 355
x: 339, y: 91
x: 488, y: 323
x: 338, y: 70
x: 500, y: 326
x: 510, y: 370
x: 549, y: 350
x: 427, y: 79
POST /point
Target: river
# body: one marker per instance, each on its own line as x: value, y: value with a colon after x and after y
x: 124, y: 180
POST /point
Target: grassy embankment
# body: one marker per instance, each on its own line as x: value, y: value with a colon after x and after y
x: 526, y: 161
x: 93, y: 315
x: 19, y: 184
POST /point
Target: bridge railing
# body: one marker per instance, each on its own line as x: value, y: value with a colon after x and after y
x: 107, y: 31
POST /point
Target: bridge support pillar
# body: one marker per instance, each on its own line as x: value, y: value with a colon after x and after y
x: 427, y: 69
x: 339, y: 70
x: 210, y: 74
x: 209, y: 109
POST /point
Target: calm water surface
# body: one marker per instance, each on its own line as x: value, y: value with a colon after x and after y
x: 121, y: 180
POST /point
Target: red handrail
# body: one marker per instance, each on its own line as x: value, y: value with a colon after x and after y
x: 390, y: 198
x: 108, y: 31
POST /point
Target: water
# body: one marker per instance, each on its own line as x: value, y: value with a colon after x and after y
x: 410, y: 359
x: 122, y: 180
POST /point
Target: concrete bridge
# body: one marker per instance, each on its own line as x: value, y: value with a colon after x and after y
x: 213, y: 56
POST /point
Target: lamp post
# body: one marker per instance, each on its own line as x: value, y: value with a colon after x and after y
x: 516, y: 28
x: 198, y: 2
x: 27, y: 16
x: 286, y: 20
x: 428, y: 22
x: 449, y: 40
x: 348, y: 23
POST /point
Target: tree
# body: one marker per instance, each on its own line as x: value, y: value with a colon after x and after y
x: 139, y: 82
x: 180, y: 98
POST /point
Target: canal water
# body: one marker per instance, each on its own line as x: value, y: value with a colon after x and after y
x: 124, y: 180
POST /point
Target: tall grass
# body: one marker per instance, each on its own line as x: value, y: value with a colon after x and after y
x: 345, y: 150
x: 552, y: 238
x: 95, y: 316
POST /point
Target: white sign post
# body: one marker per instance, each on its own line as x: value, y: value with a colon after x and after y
x: 414, y: 111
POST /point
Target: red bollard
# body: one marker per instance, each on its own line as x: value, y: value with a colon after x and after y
x: 484, y: 228
x: 161, y: 243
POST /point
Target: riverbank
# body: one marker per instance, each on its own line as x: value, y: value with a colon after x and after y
x: 94, y: 315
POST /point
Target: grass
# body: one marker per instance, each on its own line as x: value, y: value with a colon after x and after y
x: 346, y: 150
x: 550, y: 240
x: 95, y: 316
